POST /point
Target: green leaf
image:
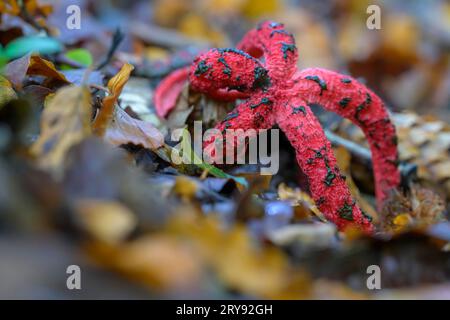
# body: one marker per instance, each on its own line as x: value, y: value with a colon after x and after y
x: 80, y: 55
x: 23, y: 45
x: 189, y: 153
x: 3, y: 59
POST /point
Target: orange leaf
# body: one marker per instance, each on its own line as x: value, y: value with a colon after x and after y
x: 158, y: 261
x: 42, y: 67
x: 17, y: 69
x: 9, y: 7
x: 115, y: 86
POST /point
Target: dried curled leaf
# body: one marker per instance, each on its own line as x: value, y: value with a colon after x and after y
x: 299, y: 198
x: 106, y: 113
x: 42, y: 67
x: 65, y: 122
x: 29, y: 64
x: 124, y: 129
x: 7, y: 93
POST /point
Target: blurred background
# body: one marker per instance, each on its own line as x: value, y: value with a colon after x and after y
x: 139, y: 228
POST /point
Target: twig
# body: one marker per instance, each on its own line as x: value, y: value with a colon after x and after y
x: 354, y: 148
x: 408, y: 170
x: 116, y: 40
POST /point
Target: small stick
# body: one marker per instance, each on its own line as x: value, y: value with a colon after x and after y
x: 354, y: 148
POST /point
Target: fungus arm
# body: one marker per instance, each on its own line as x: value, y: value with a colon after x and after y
x: 169, y: 89
x: 246, y: 119
x: 315, y: 157
x: 228, y: 69
x: 278, y: 47
x: 354, y: 101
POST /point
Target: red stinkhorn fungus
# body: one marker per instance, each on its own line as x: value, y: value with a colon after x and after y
x: 278, y: 93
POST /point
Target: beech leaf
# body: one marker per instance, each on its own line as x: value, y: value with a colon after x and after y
x: 29, y: 64
x: 65, y: 122
x: 115, y: 86
x: 124, y: 129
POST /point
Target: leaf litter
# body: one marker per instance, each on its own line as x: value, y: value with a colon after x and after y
x: 96, y: 177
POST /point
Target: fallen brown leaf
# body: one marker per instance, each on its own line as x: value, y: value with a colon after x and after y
x: 124, y: 129
x: 65, y: 122
x: 29, y: 64
x: 42, y: 67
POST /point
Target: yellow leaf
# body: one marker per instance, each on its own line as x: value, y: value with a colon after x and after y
x: 34, y: 8
x: 65, y: 121
x: 195, y: 26
x: 343, y: 158
x: 7, y: 93
x: 258, y: 8
x: 9, y: 7
x: 403, y: 36
x: 166, y: 13
x: 402, y: 221
x: 185, y: 187
x: 108, y: 221
x: 223, y: 7
x: 258, y: 271
x: 299, y: 198
x: 156, y: 53
x: 115, y: 86
x: 158, y: 261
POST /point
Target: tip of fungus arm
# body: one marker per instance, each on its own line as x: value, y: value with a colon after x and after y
x: 168, y: 91
x: 277, y: 45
